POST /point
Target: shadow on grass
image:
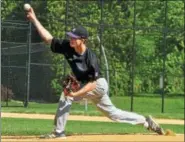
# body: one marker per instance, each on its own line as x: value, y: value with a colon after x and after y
x: 13, y: 106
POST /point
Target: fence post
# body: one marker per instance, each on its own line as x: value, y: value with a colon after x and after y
x: 184, y: 48
x: 133, y: 58
x: 28, y: 65
x: 8, y: 79
x: 100, y: 29
x: 66, y: 23
x: 0, y: 55
x: 164, y: 56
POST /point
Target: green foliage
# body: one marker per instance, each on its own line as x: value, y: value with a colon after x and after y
x: 7, y: 6
x: 154, y: 29
x: 174, y: 69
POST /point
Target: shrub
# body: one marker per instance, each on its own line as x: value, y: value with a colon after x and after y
x: 6, y: 93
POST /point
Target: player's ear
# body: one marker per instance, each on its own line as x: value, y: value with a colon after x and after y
x: 84, y: 40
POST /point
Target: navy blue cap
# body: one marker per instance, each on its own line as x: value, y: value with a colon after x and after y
x: 78, y: 32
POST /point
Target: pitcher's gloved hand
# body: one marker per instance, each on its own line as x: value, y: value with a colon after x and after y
x: 70, y: 84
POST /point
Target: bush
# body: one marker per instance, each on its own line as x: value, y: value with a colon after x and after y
x: 6, y: 93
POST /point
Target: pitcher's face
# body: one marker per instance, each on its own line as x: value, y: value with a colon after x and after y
x: 75, y: 42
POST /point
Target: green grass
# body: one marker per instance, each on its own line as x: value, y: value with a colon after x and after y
x: 173, y: 108
x: 17, y: 126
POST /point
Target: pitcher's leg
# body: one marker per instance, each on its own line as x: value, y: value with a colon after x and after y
x: 105, y: 105
x: 62, y: 113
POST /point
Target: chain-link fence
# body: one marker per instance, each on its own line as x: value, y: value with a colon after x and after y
x: 14, y: 59
x: 143, y: 44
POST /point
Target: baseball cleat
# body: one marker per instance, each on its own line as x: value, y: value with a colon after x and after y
x: 53, y: 135
x: 154, y: 126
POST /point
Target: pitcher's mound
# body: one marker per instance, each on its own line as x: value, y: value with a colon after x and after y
x: 100, y: 138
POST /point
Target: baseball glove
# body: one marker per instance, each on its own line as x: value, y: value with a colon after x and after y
x: 70, y: 84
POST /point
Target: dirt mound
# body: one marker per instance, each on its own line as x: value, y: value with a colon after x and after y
x: 100, y: 138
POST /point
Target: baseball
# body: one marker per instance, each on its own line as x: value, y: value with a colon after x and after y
x: 27, y: 7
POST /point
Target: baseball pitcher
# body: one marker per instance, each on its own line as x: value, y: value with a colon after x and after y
x: 86, y: 81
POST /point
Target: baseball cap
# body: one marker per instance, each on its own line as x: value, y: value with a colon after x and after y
x: 78, y: 32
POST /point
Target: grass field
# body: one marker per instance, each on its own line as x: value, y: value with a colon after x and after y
x: 173, y: 107
x: 17, y: 126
